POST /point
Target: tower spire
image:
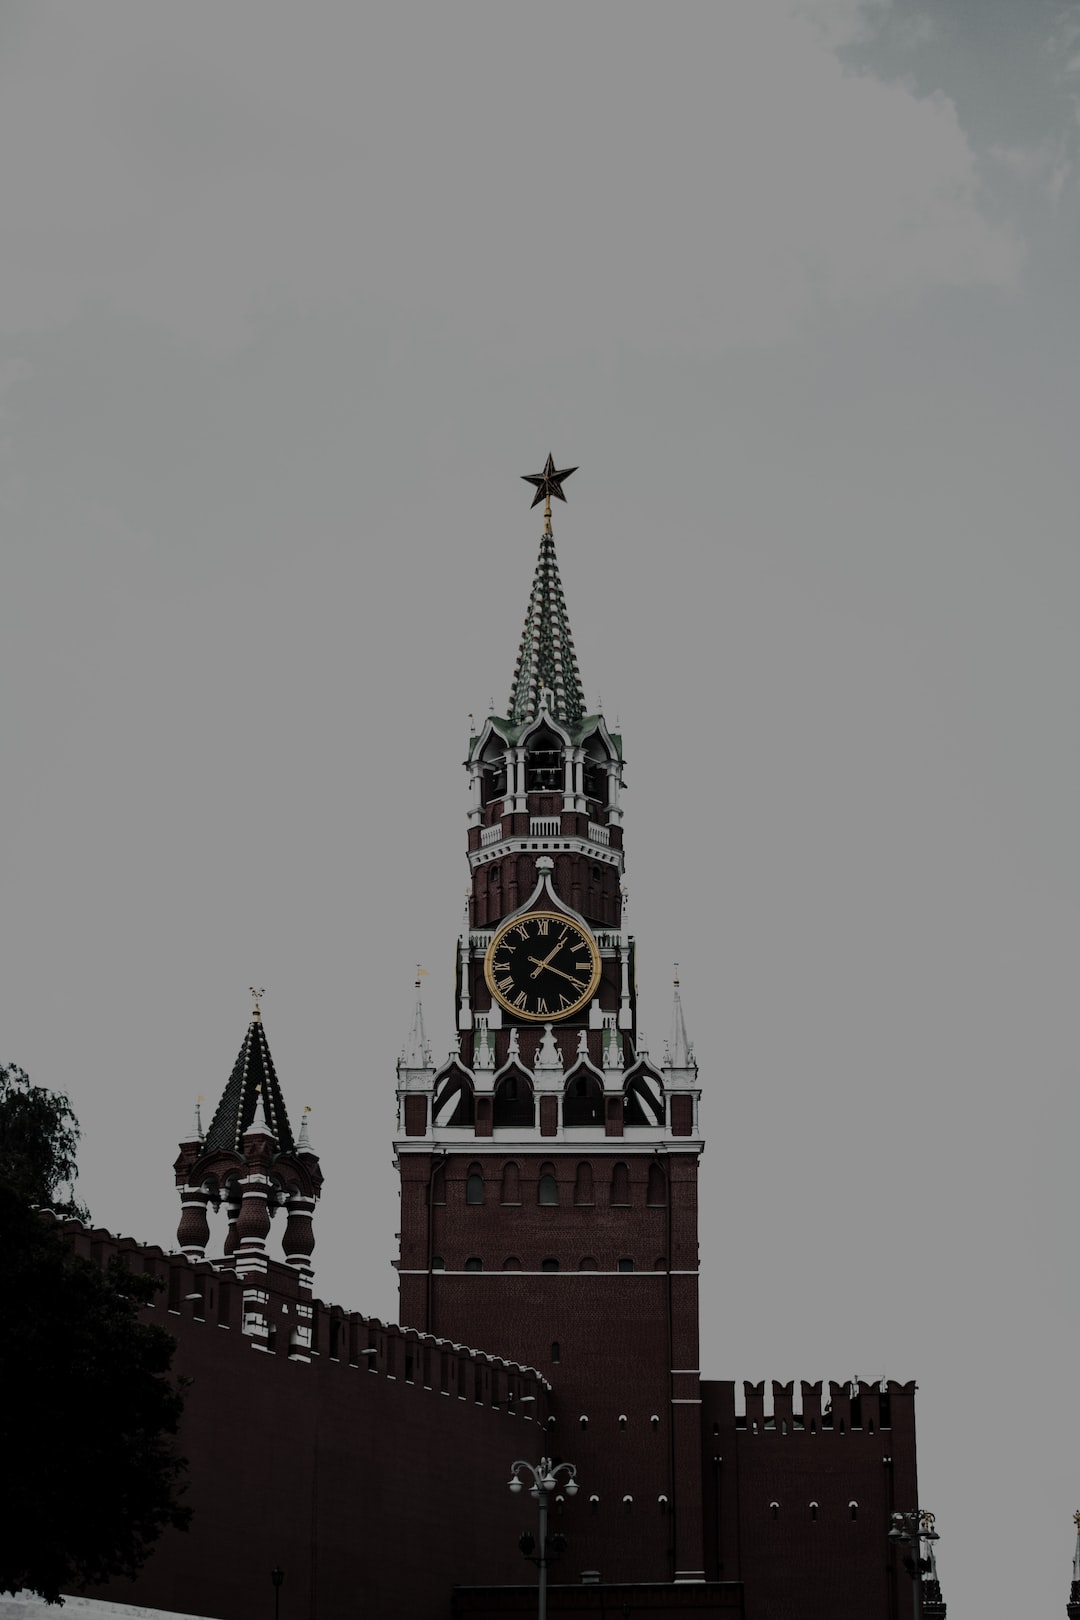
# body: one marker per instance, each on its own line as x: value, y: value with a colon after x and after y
x: 546, y: 658
x: 253, y: 1080
x: 680, y: 1053
x: 416, y: 1053
x: 1073, y: 1607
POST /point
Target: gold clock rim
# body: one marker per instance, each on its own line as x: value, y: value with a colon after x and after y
x: 544, y: 1018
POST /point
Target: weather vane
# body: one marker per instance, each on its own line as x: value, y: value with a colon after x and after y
x: 548, y: 483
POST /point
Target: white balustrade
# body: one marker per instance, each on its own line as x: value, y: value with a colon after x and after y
x: 544, y: 826
x: 599, y: 835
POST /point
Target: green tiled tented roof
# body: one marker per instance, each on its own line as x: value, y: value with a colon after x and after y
x: 546, y: 655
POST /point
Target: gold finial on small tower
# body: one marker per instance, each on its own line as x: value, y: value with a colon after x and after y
x: 1076, y: 1521
x: 256, y: 1016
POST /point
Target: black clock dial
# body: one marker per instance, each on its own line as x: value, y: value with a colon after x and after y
x: 542, y: 966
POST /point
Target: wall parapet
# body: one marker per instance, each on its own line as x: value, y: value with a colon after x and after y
x: 200, y: 1295
x: 851, y: 1406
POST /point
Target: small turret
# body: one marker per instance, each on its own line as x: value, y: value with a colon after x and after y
x: 933, y: 1604
x: 249, y: 1162
x: 1072, y: 1608
x: 416, y: 1053
x: 680, y: 1053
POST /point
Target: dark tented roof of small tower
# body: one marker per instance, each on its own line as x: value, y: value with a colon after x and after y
x: 253, y: 1072
x: 546, y: 655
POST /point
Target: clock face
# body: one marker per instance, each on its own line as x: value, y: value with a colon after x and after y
x: 542, y: 966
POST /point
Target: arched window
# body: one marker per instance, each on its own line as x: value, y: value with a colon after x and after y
x: 493, y: 875
x: 493, y: 770
x: 587, y: 1263
x: 452, y: 1100
x: 547, y: 1188
x: 626, y: 1264
x: 813, y: 1510
x: 583, y: 1183
x: 657, y: 1193
x: 620, y: 1184
x: 438, y: 1263
x: 549, y: 1265
x: 474, y: 1264
x: 644, y: 1099
x: 514, y: 1102
x: 595, y: 771
x: 474, y: 1185
x: 543, y: 761
x: 853, y: 1509
x: 438, y: 1185
x: 555, y: 1350
x: 511, y: 1184
x: 511, y: 1263
x: 583, y: 1103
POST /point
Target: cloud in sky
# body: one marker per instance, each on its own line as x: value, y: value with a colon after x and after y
x: 707, y: 178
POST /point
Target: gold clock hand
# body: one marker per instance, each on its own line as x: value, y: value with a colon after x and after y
x: 575, y: 982
x: 540, y: 965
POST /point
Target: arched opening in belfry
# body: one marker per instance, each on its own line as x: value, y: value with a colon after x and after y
x: 511, y: 1183
x: 493, y: 775
x: 583, y: 1102
x: 644, y: 1099
x: 513, y: 1103
x: 452, y: 1099
x: 543, y: 761
x: 595, y: 775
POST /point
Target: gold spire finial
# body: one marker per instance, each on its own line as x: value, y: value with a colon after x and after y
x: 1076, y: 1521
x: 258, y: 994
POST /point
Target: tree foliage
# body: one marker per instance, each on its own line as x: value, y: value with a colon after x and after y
x: 89, y: 1412
x: 38, y: 1138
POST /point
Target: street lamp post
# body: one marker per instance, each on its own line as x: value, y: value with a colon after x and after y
x: 912, y: 1528
x: 540, y: 1480
x: 277, y: 1575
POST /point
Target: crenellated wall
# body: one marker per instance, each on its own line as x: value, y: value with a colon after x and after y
x: 370, y: 1464
x: 798, y: 1493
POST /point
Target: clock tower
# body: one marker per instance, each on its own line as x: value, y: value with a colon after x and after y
x: 549, y: 1166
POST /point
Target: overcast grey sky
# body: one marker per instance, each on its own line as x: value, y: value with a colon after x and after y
x: 291, y: 296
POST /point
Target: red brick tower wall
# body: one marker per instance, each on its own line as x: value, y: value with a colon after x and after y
x: 616, y: 1335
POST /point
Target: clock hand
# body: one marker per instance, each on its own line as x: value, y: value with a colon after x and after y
x: 575, y: 982
x: 547, y: 959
